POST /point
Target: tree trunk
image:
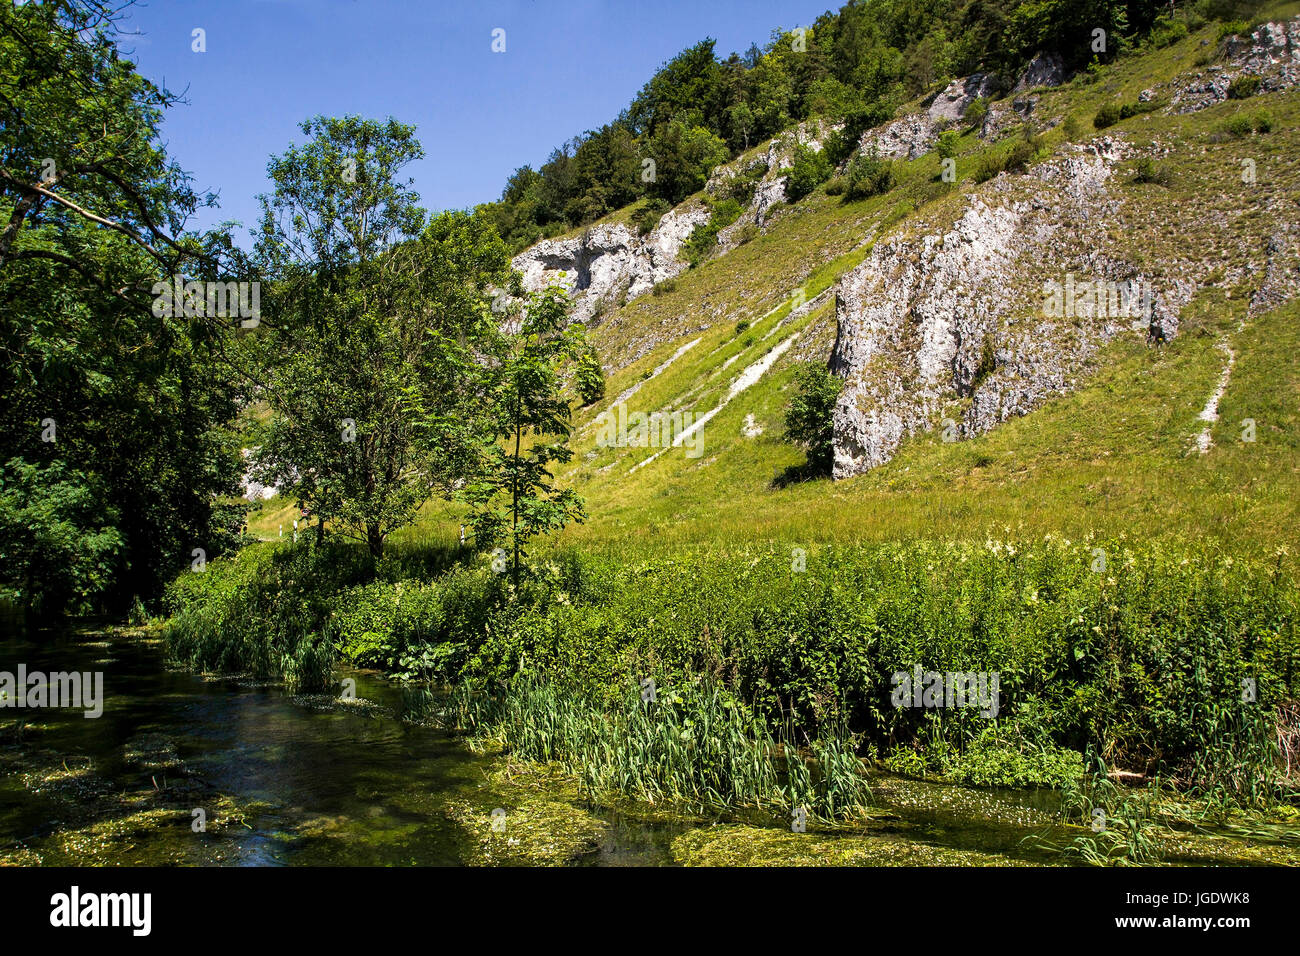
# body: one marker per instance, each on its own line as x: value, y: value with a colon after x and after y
x: 375, y: 540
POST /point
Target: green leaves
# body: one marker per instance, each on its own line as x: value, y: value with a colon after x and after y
x: 513, y: 498
x: 377, y: 325
x: 808, y: 418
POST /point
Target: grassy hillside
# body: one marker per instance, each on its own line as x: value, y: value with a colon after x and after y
x: 1117, y: 455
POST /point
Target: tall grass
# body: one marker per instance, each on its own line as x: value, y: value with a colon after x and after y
x: 691, y: 743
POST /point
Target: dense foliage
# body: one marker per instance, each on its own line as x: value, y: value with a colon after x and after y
x: 1133, y: 652
x: 116, y: 448
x: 852, y: 66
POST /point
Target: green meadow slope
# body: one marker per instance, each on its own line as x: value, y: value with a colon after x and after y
x: 1119, y: 454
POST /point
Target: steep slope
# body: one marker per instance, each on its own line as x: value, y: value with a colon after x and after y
x: 967, y: 409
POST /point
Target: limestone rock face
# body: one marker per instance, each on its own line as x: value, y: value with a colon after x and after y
x: 610, y: 264
x: 1271, y: 51
x: 953, y: 328
x: 1045, y: 69
x: 949, y: 105
x: 905, y: 138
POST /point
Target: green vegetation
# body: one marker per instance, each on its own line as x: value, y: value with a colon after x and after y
x: 810, y: 169
x: 808, y: 419
x: 867, y: 175
x: 1243, y: 87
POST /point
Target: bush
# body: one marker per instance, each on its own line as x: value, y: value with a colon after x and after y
x: 808, y: 416
x: 868, y: 175
x: 703, y: 239
x: 1239, y: 126
x: 810, y: 169
x: 835, y: 186
x: 1166, y: 31
x: 648, y: 216
x: 975, y: 111
x: 946, y: 145
x: 1107, y: 116
x: 589, y: 378
x: 1149, y: 171
x: 1243, y: 87
x: 1015, y: 159
x: 1263, y: 122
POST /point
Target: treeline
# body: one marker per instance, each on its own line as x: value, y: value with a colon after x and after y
x: 854, y: 66
x: 353, y: 359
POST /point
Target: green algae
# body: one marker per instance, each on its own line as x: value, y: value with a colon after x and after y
x: 738, y: 845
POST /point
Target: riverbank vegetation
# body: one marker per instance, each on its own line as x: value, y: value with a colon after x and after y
x: 690, y: 676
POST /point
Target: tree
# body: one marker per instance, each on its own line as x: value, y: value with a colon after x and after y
x: 810, y: 169
x: 809, y: 418
x: 59, y: 546
x: 98, y: 390
x: 514, y: 498
x: 374, y: 324
x: 689, y: 85
x: 684, y: 156
x: 590, y: 378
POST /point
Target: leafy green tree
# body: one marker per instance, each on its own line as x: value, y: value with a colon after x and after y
x: 373, y: 327
x: 947, y: 144
x: 98, y: 389
x: 514, y: 498
x: 809, y: 416
x: 684, y: 156
x: 590, y: 378
x: 867, y: 175
x: 689, y: 85
x: 60, y: 548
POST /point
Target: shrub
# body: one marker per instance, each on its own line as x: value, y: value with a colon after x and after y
x: 975, y: 111
x: 1166, y: 31
x: 703, y: 239
x: 808, y: 416
x: 946, y: 145
x: 1263, y: 122
x: 648, y: 216
x: 1149, y: 171
x: 1015, y: 159
x: 1243, y: 87
x: 1239, y: 126
x: 868, y: 175
x: 1107, y: 116
x: 589, y: 378
x: 835, y: 186
x: 810, y: 169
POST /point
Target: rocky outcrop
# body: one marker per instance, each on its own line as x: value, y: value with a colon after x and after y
x: 957, y: 322
x: 950, y: 105
x: 1271, y: 52
x: 1045, y: 69
x: 908, y: 137
x: 610, y: 265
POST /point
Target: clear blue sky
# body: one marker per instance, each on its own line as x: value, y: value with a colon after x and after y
x: 568, y: 66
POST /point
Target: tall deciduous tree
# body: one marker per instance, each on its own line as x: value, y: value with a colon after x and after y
x: 103, y: 400
x: 373, y: 325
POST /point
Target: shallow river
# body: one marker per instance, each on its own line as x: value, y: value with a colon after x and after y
x: 181, y: 769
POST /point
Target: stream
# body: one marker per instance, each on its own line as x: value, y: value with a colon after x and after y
x: 183, y: 769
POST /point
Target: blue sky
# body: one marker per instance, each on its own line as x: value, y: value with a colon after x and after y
x: 568, y: 67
